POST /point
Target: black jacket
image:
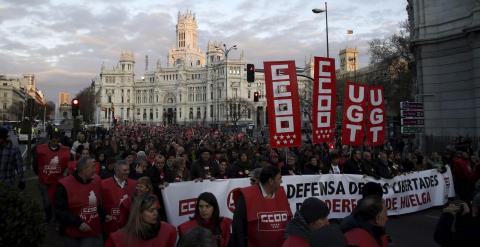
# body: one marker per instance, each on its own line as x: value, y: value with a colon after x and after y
x: 467, y: 231
x: 298, y: 227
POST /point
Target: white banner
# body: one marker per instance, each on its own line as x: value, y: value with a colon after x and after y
x: 403, y: 194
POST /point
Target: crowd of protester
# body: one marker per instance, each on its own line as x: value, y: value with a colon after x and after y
x: 143, y: 160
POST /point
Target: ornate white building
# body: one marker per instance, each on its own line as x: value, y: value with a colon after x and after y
x: 189, y: 90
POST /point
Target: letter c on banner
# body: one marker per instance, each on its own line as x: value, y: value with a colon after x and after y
x: 276, y: 75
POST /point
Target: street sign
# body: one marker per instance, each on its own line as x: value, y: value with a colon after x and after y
x: 412, y: 121
x: 412, y: 129
x: 411, y: 113
x: 411, y: 105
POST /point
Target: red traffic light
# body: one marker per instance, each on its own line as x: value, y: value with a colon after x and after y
x: 75, y: 102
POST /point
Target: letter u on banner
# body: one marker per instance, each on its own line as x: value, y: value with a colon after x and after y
x: 324, y: 100
x: 376, y: 128
x: 282, y: 104
x: 354, y: 109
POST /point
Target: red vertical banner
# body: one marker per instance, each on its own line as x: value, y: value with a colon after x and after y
x: 283, y: 104
x: 324, y: 100
x: 354, y: 109
x: 376, y: 127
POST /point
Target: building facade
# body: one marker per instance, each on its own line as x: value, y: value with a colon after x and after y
x: 64, y: 98
x: 14, y: 92
x: 446, y: 42
x: 193, y: 88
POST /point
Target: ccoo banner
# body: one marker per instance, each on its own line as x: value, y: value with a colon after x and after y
x: 353, y: 124
x: 324, y: 100
x: 376, y: 129
x: 403, y: 194
x: 283, y: 104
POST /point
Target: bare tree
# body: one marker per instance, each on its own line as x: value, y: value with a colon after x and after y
x: 239, y: 108
x: 393, y: 63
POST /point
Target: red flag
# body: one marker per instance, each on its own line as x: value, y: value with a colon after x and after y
x: 283, y: 104
x: 354, y: 107
x: 376, y: 128
x: 324, y: 100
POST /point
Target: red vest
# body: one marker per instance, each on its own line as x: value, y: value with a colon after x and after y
x: 224, y: 230
x: 361, y: 238
x: 114, y: 203
x: 295, y: 241
x: 51, y: 164
x: 267, y: 218
x: 72, y: 165
x: 167, y: 236
x: 83, y: 201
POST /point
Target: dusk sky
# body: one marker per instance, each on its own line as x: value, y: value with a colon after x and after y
x: 65, y: 42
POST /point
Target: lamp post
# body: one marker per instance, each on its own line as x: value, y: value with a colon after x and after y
x: 225, y: 51
x: 318, y: 11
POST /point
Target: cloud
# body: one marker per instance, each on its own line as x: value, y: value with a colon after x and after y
x: 65, y: 42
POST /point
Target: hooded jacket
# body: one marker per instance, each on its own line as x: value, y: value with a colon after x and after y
x: 363, y: 234
x: 297, y: 232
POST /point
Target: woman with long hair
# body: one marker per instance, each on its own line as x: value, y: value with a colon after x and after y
x: 144, y: 227
x: 207, y: 215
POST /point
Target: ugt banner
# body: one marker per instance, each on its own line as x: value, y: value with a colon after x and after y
x: 354, y: 107
x: 376, y: 128
x: 403, y: 194
x: 324, y: 100
x: 283, y: 104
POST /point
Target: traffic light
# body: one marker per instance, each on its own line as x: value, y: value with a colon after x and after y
x: 250, y: 72
x: 75, y: 107
x: 256, y: 95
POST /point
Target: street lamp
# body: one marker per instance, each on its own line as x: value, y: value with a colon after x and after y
x: 225, y: 51
x: 318, y: 11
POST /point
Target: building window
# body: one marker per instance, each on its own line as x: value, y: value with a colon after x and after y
x: 151, y: 114
x: 249, y: 93
x: 109, y: 99
x: 138, y: 112
x: 4, y: 105
x: 144, y: 114
x: 156, y: 113
x: 128, y: 112
x: 249, y: 113
x: 190, y: 116
x: 198, y: 113
x: 235, y: 93
x: 211, y: 111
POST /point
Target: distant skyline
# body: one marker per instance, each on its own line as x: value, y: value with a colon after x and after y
x: 65, y: 42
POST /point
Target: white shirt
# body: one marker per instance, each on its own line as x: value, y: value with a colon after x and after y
x: 122, y: 183
x: 264, y: 193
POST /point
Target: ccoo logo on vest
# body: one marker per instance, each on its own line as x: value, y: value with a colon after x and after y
x: 90, y: 212
x: 272, y: 221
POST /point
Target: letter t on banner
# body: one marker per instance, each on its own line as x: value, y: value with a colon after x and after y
x: 282, y: 104
x: 324, y: 100
x: 376, y: 128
